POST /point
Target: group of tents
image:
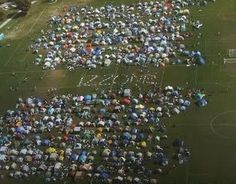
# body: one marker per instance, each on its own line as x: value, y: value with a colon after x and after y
x: 104, y: 136
x: 92, y: 36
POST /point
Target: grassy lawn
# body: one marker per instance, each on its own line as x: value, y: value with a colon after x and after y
x: 213, y: 156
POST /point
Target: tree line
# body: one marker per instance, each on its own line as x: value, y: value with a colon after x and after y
x: 23, y: 5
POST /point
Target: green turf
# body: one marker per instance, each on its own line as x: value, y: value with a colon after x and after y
x: 213, y: 157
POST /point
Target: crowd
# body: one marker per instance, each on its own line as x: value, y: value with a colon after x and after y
x: 137, y: 34
x: 104, y: 137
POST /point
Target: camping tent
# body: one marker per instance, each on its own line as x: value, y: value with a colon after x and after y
x: 200, y: 60
x: 2, y: 36
x: 202, y: 102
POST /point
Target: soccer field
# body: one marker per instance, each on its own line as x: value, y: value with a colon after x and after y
x: 209, y: 132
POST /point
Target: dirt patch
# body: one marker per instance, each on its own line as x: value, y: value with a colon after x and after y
x: 52, y: 79
x: 55, y: 75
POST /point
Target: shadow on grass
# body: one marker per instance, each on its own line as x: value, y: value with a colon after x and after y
x: 16, y: 15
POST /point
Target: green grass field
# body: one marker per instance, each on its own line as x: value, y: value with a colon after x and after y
x: 209, y: 132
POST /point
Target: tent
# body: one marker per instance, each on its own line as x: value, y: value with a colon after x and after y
x: 2, y: 36
x: 139, y: 106
x: 97, y: 51
x: 74, y: 157
x: 47, y: 64
x: 42, y: 167
x: 106, y: 152
x: 57, y: 166
x: 143, y: 144
x: 127, y: 92
x: 88, y: 98
x: 50, y: 150
x: 104, y: 175
x: 162, y: 159
x: 134, y: 130
x: 3, y: 149
x: 86, y: 167
x: 107, y: 62
x: 83, y: 158
x: 183, y: 28
x: 134, y: 116
x: 3, y: 157
x: 126, y: 101
x: 46, y: 142
x: 53, y: 156
x: 89, y: 48
x: 200, y: 60
x: 25, y: 168
x: 126, y: 135
x: 202, y: 102
x: 199, y: 96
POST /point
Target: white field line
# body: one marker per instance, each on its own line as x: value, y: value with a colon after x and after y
x: 206, y: 124
x: 33, y: 2
x: 81, y: 80
x: 37, y: 19
x: 18, y: 46
x: 215, y: 132
x: 8, y: 20
x: 5, y: 23
x: 113, y: 80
